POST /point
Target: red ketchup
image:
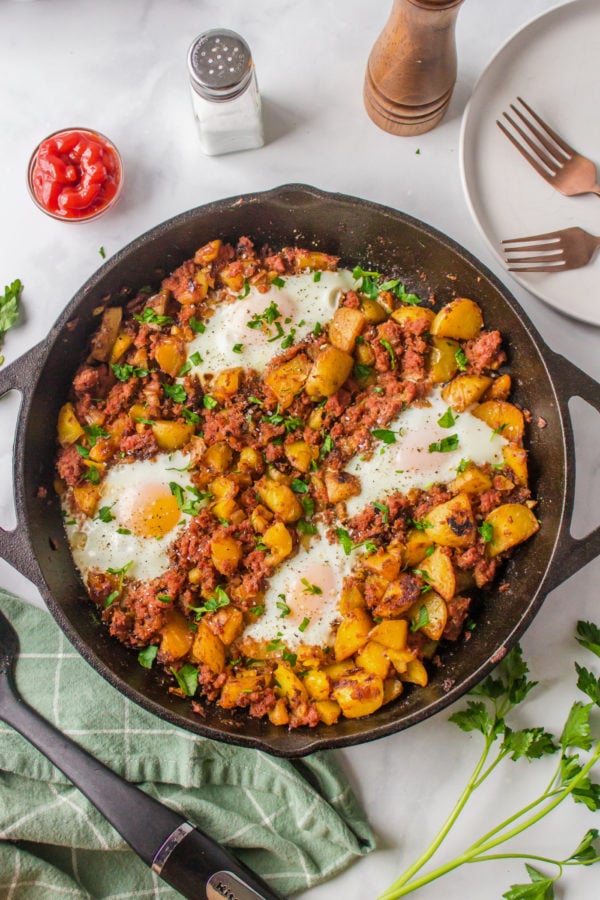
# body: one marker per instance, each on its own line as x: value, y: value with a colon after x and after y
x: 75, y: 174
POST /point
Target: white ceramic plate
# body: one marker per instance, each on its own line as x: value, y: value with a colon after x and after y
x: 554, y: 64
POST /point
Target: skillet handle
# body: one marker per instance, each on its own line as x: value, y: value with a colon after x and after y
x: 20, y: 376
x: 573, y: 553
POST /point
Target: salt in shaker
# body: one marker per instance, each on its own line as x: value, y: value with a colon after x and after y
x: 225, y: 95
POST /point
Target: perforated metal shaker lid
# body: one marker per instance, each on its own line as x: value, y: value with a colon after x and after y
x: 220, y: 64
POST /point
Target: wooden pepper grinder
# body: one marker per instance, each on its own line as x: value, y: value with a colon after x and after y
x: 412, y: 67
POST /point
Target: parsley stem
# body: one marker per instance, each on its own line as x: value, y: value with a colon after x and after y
x: 492, y: 839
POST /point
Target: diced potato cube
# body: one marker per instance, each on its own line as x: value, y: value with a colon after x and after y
x: 123, y: 342
x: 339, y: 670
x: 207, y: 253
x: 86, y: 497
x: 392, y: 633
x: 218, y: 457
x: 373, y: 658
x: 341, y: 485
x: 280, y: 499
x: 317, y: 684
x: 244, y: 682
x: 330, y: 370
x: 472, y: 481
x: 288, y: 379
x: 405, y: 315
x: 225, y: 554
x: 260, y: 518
x: 226, y: 384
x: 359, y: 694
x: 461, y: 319
x: 351, y: 597
x: 499, y: 389
x: 516, y: 458
x: 278, y: 714
x: 383, y: 563
x: 223, y: 487
x: 464, y: 390
x: 279, y: 541
x: 436, y: 615
x: 315, y: 259
x: 443, y: 364
x: 373, y: 311
x: 170, y: 354
x: 451, y: 524
x: 329, y: 711
x: 171, y: 435
x: 353, y: 633
x: 227, y: 623
x: 400, y: 659
x: 392, y: 688
x: 512, y: 523
x: 209, y: 649
x: 300, y: 455
x: 438, y: 572
x: 287, y: 683
x: 416, y: 673
x: 503, y: 417
x: 345, y: 327
x: 105, y: 336
x: 176, y: 637
x: 228, y: 511
x: 417, y: 544
x: 69, y: 427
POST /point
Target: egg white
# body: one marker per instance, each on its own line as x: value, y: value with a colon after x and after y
x: 103, y: 545
x: 296, y: 584
x: 302, y: 302
x: 408, y: 463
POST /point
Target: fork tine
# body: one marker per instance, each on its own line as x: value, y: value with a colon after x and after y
x: 547, y: 258
x: 530, y: 159
x: 569, y: 151
x: 536, y: 268
x: 549, y: 235
x: 555, y: 153
x: 550, y: 161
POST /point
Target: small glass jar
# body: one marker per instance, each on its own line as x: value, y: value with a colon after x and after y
x: 225, y: 95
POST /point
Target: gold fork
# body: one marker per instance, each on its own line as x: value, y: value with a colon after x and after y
x: 556, y: 251
x: 551, y: 157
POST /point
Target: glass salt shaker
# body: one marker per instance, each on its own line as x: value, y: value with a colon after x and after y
x: 225, y: 95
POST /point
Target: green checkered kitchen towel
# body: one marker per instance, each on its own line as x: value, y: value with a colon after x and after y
x: 54, y: 843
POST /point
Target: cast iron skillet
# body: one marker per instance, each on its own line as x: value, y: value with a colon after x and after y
x: 361, y: 233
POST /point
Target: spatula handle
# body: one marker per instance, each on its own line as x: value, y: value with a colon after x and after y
x: 190, y: 861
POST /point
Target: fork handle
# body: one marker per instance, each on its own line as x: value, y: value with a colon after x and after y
x: 189, y: 860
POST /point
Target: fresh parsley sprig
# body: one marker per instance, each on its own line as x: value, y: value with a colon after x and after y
x: 578, y: 752
x: 9, y: 307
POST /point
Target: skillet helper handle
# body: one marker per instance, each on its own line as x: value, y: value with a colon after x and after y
x: 573, y: 553
x: 21, y: 376
x: 187, y: 859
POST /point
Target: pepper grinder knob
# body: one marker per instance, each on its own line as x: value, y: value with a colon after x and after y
x: 411, y: 70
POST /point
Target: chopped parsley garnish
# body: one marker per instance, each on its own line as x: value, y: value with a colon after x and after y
x: 291, y: 658
x: 111, y: 598
x: 245, y: 290
x: 94, y: 433
x: 448, y: 419
x: 299, y: 486
x: 150, y: 317
x: 499, y: 429
x: 164, y: 598
x: 190, y: 417
x: 317, y: 329
x: 390, y: 351
x: 278, y: 282
x: 304, y: 624
x: 102, y: 252
x: 123, y: 531
x: 304, y: 527
x: 463, y: 464
x: 125, y: 372
x: 345, y: 540
x: 420, y: 524
x: 461, y: 359
x: 276, y: 643
x: 92, y: 475
x: 175, y: 392
x: 197, y: 326
x: 398, y: 289
x: 368, y: 281
x: 147, y: 656
x: 446, y: 445
x: 185, y: 504
x: 327, y: 446
x: 361, y: 371
x: 282, y: 606
x: 257, y: 610
x: 237, y: 348
x: 384, y: 510
x: 9, y: 307
x: 209, y: 402
x: 187, y: 679
x: 317, y: 276
x: 486, y: 530
x: 385, y: 435
x: 219, y: 599
x: 266, y: 317
x: 83, y: 451
x: 308, y: 504
x: 310, y: 588
x: 421, y: 620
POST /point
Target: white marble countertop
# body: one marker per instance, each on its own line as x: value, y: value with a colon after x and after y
x: 120, y: 68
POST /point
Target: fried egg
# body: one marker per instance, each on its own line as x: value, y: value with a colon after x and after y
x: 137, y: 517
x: 301, y: 601
x: 250, y: 330
x: 422, y: 446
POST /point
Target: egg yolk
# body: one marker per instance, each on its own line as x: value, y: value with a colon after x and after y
x: 148, y: 511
